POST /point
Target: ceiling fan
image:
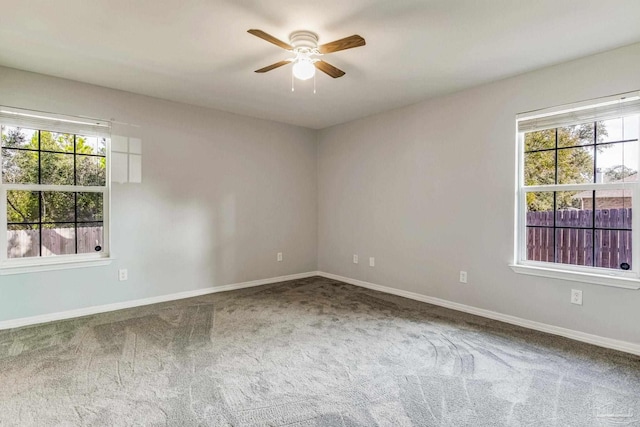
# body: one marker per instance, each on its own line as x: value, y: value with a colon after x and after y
x: 304, y: 45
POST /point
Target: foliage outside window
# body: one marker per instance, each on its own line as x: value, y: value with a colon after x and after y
x: 578, y: 190
x: 54, y: 194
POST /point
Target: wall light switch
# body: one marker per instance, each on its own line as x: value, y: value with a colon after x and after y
x: 372, y: 262
x: 355, y: 259
x: 279, y: 258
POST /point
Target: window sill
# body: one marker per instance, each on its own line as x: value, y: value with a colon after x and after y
x: 34, y: 267
x: 576, y: 276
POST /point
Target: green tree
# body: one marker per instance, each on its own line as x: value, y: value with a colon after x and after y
x: 617, y: 173
x: 575, y: 165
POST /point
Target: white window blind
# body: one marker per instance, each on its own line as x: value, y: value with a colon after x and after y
x: 584, y: 112
x: 11, y: 116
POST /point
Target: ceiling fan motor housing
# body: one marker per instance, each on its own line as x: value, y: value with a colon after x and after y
x: 303, y: 40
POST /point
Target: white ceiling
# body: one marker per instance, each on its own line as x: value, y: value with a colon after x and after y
x: 199, y: 52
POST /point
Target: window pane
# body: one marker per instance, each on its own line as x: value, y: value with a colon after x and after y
x: 53, y: 141
x: 621, y: 129
x: 570, y: 136
x: 630, y: 127
x: 58, y: 239
x: 540, y: 244
x: 613, y: 249
x: 610, y: 130
x: 574, y: 209
x: 613, y: 208
x: 540, y: 168
x: 19, y: 138
x: 90, y: 238
x: 91, y: 145
x: 57, y: 206
x: 90, y: 206
x: 574, y: 246
x: 575, y: 165
x: 57, y: 169
x: 540, y: 140
x: 540, y: 208
x: 19, y: 166
x: 618, y: 162
x: 22, y: 206
x: 91, y: 170
x: 23, y: 241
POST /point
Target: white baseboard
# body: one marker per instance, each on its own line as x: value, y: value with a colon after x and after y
x: 44, y: 318
x: 625, y: 346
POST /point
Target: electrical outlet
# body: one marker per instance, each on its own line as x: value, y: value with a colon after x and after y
x: 355, y: 259
x: 463, y: 277
x: 576, y: 296
x: 372, y: 262
x: 123, y: 274
x: 279, y: 257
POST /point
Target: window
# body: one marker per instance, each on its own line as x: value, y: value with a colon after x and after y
x: 54, y: 190
x: 577, y: 189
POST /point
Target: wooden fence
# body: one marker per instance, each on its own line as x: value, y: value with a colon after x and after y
x: 575, y: 246
x: 55, y: 241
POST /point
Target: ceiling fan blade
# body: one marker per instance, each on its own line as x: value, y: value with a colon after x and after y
x: 329, y: 69
x: 273, y: 66
x: 342, y: 44
x: 268, y: 37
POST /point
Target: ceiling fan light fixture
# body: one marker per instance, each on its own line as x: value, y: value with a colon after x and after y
x: 303, y: 69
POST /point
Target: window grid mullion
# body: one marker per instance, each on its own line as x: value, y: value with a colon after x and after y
x: 541, y: 150
x: 75, y: 194
x: 63, y: 222
x: 555, y: 206
x: 593, y: 199
x: 40, y: 207
x: 64, y: 188
x: 577, y: 187
x: 570, y: 227
x: 58, y: 152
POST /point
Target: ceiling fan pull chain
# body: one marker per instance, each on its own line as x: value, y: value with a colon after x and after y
x: 293, y: 89
x: 314, y: 84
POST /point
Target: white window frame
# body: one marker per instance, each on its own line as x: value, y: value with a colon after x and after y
x: 10, y: 116
x: 594, y: 110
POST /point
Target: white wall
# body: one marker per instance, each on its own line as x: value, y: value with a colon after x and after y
x: 221, y: 194
x: 429, y: 190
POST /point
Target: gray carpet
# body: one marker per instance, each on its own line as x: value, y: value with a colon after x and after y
x: 311, y: 352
